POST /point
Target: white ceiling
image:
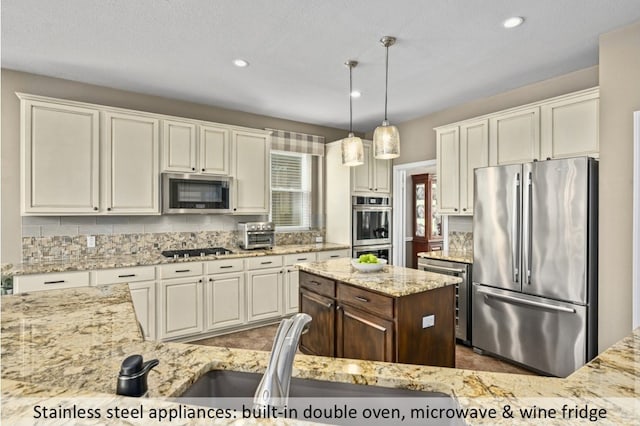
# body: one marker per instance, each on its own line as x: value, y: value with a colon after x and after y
x: 448, y: 51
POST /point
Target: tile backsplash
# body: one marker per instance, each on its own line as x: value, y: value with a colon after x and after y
x: 58, y: 238
x: 460, y: 234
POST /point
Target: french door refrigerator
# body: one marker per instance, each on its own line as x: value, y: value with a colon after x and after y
x: 535, y: 263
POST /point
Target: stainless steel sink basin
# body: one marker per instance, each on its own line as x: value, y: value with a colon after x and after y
x: 235, y: 390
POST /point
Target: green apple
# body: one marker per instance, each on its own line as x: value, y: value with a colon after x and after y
x: 368, y: 258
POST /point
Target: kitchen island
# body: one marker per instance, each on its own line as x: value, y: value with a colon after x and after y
x: 396, y: 315
x: 64, y: 348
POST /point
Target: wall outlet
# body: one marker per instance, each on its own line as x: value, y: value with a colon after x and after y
x: 318, y: 239
x: 91, y: 241
x: 428, y: 321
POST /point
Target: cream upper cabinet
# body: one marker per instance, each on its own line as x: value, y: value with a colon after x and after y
x: 130, y: 164
x: 214, y: 150
x: 474, y: 153
x: 251, y: 172
x: 448, y: 169
x: 60, y: 158
x: 178, y: 146
x: 373, y: 177
x: 514, y: 137
x: 569, y: 126
x: 460, y: 150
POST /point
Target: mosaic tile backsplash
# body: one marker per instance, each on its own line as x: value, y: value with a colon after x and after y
x: 460, y: 241
x: 60, y: 247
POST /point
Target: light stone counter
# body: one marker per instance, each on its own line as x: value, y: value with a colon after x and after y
x: 130, y: 260
x: 452, y: 255
x: 395, y: 281
x: 65, y: 347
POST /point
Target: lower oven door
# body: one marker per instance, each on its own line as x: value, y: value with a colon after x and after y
x: 381, y: 252
x: 463, y: 292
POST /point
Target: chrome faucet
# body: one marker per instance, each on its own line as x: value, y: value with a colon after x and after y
x: 273, y: 389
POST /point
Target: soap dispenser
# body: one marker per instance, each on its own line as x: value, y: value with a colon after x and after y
x: 132, y: 380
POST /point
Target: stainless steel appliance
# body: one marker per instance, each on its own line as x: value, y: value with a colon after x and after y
x: 535, y: 263
x: 463, y: 292
x: 191, y: 193
x: 371, y: 218
x: 381, y: 251
x: 257, y: 235
x: 217, y: 251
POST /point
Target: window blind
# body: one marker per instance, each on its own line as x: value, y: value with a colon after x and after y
x: 290, y: 190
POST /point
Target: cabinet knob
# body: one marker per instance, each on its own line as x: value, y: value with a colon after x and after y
x: 193, y: 168
x: 464, y: 210
x: 200, y: 280
x: 108, y: 209
x: 455, y: 209
x: 234, y: 209
x: 203, y: 170
x: 210, y: 279
x: 375, y: 189
x: 95, y: 208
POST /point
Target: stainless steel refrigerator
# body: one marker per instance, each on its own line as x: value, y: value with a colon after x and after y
x: 535, y: 238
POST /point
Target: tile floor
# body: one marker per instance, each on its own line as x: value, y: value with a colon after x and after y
x: 262, y: 338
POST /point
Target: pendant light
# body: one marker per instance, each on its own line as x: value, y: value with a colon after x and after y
x: 386, y: 138
x: 352, y: 150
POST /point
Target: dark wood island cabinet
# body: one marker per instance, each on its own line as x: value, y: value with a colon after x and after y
x: 396, y: 315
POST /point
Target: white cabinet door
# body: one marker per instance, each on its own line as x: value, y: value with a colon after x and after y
x: 225, y: 300
x: 143, y: 296
x: 130, y: 164
x: 474, y: 153
x: 514, y: 137
x: 382, y: 176
x: 448, y: 169
x: 180, y: 309
x: 362, y: 176
x: 214, y: 150
x: 251, y: 173
x: 60, y: 154
x: 570, y: 127
x: 178, y: 146
x: 291, y: 287
x: 264, y: 294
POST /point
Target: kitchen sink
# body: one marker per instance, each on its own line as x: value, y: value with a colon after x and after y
x: 234, y: 390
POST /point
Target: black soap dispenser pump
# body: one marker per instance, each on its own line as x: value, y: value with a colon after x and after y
x: 132, y: 380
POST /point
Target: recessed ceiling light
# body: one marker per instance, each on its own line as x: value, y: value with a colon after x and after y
x: 240, y: 63
x: 513, y: 22
x: 355, y: 94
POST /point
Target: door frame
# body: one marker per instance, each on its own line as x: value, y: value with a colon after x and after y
x: 636, y: 221
x: 399, y: 235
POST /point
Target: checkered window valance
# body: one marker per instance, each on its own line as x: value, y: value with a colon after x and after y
x: 282, y: 140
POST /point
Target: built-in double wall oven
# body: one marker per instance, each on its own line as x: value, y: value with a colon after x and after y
x: 371, y: 226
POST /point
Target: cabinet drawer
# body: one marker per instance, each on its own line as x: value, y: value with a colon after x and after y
x: 125, y: 275
x: 24, y: 283
x: 224, y: 265
x: 366, y: 300
x: 333, y: 254
x: 292, y: 259
x: 262, y: 262
x: 182, y: 269
x: 318, y: 284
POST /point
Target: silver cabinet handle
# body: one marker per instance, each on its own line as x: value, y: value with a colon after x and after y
x: 55, y: 282
x: 527, y: 302
x: 126, y: 275
x: 314, y: 282
x: 362, y: 299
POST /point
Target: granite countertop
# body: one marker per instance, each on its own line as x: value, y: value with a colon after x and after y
x: 452, y: 255
x: 65, y: 347
x: 130, y: 260
x: 392, y: 280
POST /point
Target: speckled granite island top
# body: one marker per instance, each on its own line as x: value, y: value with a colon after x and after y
x: 86, y: 264
x: 66, y: 346
x: 452, y: 255
x: 392, y: 280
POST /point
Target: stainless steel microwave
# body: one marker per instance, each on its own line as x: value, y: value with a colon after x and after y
x: 191, y: 193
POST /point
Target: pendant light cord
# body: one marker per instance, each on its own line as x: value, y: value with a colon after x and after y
x: 350, y: 99
x: 386, y: 83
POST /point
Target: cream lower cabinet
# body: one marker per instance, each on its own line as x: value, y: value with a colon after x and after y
x: 264, y: 294
x: 143, y: 296
x: 225, y: 301
x: 292, y: 279
x: 180, y: 307
x: 332, y: 254
x: 60, y: 158
x: 251, y: 172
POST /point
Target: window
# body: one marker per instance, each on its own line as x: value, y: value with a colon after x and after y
x: 291, y: 190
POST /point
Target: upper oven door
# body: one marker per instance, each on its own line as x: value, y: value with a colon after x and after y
x: 371, y: 225
x: 185, y: 193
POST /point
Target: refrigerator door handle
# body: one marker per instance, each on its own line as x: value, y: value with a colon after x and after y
x: 527, y: 231
x: 526, y: 302
x: 515, y: 231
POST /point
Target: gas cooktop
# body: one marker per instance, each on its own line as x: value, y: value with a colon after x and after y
x: 196, y: 252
